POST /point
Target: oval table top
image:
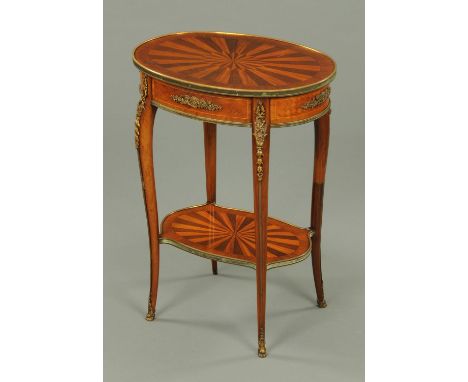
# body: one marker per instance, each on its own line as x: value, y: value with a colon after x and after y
x: 234, y: 64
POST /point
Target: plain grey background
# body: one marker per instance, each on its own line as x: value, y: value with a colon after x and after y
x: 206, y: 325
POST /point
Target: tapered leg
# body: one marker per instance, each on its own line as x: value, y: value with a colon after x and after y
x: 322, y: 133
x: 209, y: 130
x: 260, y: 160
x: 144, y: 145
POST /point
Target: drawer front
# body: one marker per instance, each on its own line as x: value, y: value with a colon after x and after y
x: 204, y: 106
x: 297, y: 109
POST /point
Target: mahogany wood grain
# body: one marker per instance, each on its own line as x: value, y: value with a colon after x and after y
x: 292, y: 110
x: 223, y: 78
x: 237, y: 110
x: 145, y: 156
x: 232, y: 110
x: 228, y: 234
x: 209, y: 130
x: 234, y: 63
x: 260, y: 189
x: 322, y: 134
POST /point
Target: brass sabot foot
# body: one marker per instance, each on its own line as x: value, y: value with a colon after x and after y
x: 322, y: 304
x: 150, y: 316
x: 262, y: 353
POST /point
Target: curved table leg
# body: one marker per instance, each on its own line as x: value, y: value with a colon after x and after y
x: 260, y: 161
x: 322, y: 133
x: 209, y: 130
x: 144, y: 145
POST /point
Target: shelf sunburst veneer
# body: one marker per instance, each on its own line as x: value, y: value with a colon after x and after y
x: 228, y: 235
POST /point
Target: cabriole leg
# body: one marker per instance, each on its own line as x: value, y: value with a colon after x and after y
x: 322, y: 133
x: 144, y: 145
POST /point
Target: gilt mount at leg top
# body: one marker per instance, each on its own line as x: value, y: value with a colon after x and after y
x: 140, y: 108
x: 260, y: 132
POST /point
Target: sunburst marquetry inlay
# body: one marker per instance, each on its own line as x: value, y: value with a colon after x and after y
x: 232, y: 61
x: 231, y: 233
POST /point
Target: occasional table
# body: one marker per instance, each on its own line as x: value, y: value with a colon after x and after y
x: 239, y: 80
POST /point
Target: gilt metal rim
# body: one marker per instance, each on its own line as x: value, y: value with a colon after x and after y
x: 260, y: 93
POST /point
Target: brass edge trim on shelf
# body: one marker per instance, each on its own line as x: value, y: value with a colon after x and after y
x: 230, y: 260
x: 230, y: 91
x: 241, y: 124
x: 207, y: 255
x: 278, y: 264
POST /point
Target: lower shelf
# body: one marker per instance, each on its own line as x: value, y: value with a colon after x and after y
x: 228, y: 235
